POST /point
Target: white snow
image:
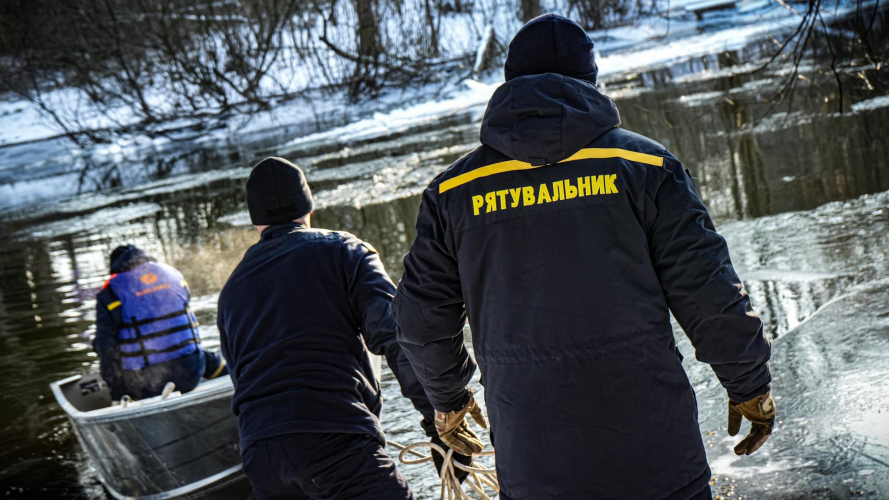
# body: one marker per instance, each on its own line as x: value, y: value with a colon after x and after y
x: 870, y: 104
x: 475, y: 94
x: 639, y: 45
x: 650, y: 41
x: 20, y: 121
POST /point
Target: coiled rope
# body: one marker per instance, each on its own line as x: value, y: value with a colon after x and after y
x: 480, y: 478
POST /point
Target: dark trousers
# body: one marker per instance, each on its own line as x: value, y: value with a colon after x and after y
x: 320, y: 466
x: 186, y: 372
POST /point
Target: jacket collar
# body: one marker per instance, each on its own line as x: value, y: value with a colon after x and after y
x: 276, y: 230
x: 543, y: 119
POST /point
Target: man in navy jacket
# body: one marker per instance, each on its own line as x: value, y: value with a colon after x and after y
x: 146, y: 334
x: 566, y: 242
x: 297, y: 319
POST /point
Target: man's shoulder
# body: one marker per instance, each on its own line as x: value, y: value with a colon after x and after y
x: 324, y: 236
x: 105, y: 296
x: 478, y: 157
x: 167, y: 268
x: 620, y: 138
x: 279, y: 248
x: 336, y: 240
x: 351, y: 243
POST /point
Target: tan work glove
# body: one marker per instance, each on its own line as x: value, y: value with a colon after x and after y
x: 453, y: 429
x: 760, y: 411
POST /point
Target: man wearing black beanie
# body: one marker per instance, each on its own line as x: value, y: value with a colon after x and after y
x: 567, y: 242
x: 296, y: 320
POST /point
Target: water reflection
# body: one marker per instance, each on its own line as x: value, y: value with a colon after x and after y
x: 747, y: 166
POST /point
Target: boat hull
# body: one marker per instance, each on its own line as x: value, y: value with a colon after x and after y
x: 169, y: 448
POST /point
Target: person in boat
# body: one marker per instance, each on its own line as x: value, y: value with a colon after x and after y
x: 146, y: 334
x: 297, y: 318
x: 567, y: 241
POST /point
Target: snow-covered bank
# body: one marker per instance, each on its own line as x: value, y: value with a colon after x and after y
x: 627, y: 48
x: 33, y: 173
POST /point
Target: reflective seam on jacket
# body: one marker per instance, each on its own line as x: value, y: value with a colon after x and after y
x: 112, y: 306
x: 583, y: 154
x: 218, y: 370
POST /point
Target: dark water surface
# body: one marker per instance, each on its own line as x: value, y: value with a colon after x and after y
x: 763, y: 179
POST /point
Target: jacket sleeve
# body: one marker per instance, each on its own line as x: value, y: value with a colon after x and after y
x: 431, y: 313
x: 702, y: 289
x: 224, y: 347
x: 370, y: 294
x: 105, y: 345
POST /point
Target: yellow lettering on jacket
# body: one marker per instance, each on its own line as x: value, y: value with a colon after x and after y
x: 558, y: 191
x: 477, y: 202
x: 516, y: 195
x: 598, y: 184
x: 543, y: 195
x: 527, y: 196
x: 502, y: 194
x: 570, y: 191
x: 610, y: 188
x: 491, y: 198
x: 583, y: 185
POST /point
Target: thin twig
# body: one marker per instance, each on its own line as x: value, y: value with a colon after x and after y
x: 833, y: 61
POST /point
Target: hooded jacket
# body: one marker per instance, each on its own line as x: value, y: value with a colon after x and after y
x: 566, y: 242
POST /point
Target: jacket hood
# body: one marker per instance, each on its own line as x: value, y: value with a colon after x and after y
x: 543, y: 119
x: 130, y: 257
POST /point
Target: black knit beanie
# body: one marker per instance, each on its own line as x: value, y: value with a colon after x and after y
x: 118, y: 253
x: 277, y: 192
x: 126, y: 257
x: 551, y: 44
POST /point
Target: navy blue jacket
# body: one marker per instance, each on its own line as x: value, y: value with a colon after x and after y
x: 294, y: 319
x: 567, y: 241
x: 188, y: 366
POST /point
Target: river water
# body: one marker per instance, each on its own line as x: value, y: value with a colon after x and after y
x: 801, y: 194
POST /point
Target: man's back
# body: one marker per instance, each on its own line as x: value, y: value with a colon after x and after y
x: 291, y: 334
x: 568, y: 272
x: 297, y: 319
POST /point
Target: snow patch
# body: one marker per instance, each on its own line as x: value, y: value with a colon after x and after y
x: 870, y: 104
x: 476, y: 94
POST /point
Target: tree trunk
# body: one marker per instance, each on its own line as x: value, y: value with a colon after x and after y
x: 369, y: 47
x: 432, y: 24
x: 485, y: 52
x: 529, y: 9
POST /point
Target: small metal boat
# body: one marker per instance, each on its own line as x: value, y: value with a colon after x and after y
x: 168, y: 446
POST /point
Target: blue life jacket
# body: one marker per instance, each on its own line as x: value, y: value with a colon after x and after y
x: 157, y: 325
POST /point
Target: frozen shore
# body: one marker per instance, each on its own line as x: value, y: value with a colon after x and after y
x: 832, y: 438
x: 37, y: 165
